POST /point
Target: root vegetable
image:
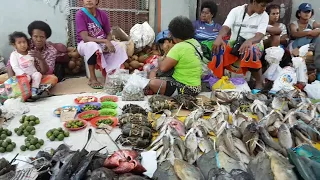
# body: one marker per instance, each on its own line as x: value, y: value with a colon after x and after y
x: 142, y: 58
x: 126, y: 65
x: 71, y: 65
x: 309, y: 53
x: 135, y: 58
x: 130, y: 48
x: 78, y: 63
x: 74, y: 54
x: 135, y: 64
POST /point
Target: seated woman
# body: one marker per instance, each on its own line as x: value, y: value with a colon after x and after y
x: 248, y: 23
x: 276, y: 32
x: 44, y: 53
x: 183, y: 58
x: 206, y: 30
x: 305, y: 30
x: 94, y: 41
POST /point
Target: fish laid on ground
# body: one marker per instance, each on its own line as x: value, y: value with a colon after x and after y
x: 304, y: 169
x: 186, y: 171
x: 270, y: 142
x: 250, y: 137
x: 281, y: 168
x: 302, y: 137
x: 241, y: 175
x: 193, y: 117
x: 260, y: 167
x: 228, y: 163
x: 206, y: 162
x: 191, y: 144
x: 165, y: 171
x: 103, y: 173
x: 219, y: 174
x: 284, y: 136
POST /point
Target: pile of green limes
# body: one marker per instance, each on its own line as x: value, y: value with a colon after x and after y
x: 7, y: 145
x: 31, y: 143
x: 29, y: 120
x: 57, y: 134
x: 74, y: 124
x: 4, y: 133
x: 25, y: 130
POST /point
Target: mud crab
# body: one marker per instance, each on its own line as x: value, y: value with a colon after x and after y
x: 138, y: 119
x: 159, y: 103
x: 136, y: 130
x: 187, y: 101
x: 134, y: 141
x: 124, y: 161
x: 134, y: 109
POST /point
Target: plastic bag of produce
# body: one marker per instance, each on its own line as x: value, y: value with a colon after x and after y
x: 133, y: 90
x: 142, y: 35
x: 18, y: 86
x: 301, y: 69
x: 273, y: 57
x: 115, y: 81
x: 285, y: 81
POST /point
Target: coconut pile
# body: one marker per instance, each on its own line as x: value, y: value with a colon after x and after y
x: 76, y: 61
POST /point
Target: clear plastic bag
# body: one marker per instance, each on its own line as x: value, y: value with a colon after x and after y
x: 133, y: 90
x: 273, y: 57
x: 115, y: 82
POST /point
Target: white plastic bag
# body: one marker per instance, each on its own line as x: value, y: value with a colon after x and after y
x: 115, y: 82
x: 313, y: 90
x: 286, y: 80
x: 133, y: 90
x: 273, y: 57
x: 301, y: 69
x: 142, y: 35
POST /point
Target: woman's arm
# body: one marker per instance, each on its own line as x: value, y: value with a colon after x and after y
x: 86, y: 38
x: 295, y: 33
x: 274, y: 30
x: 167, y: 64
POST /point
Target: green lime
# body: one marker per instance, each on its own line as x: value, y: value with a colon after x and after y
x: 2, y: 150
x: 3, y: 136
x: 16, y: 130
x: 66, y: 134
x: 56, y: 133
x: 60, y: 129
x: 1, y: 141
x: 41, y: 142
x: 52, y: 138
x: 19, y: 133
x: 25, y: 133
x: 32, y: 118
x: 14, y: 144
x: 32, y: 148
x: 37, y: 121
x: 9, y: 133
x: 5, y: 144
x: 33, y: 132
x: 26, y: 123
x: 68, y: 126
x: 75, y: 126
x: 21, y: 120
x: 49, y: 133
x: 60, y: 137
x: 8, y: 140
x: 28, y: 144
x: 38, y: 146
x: 1, y: 129
x: 29, y: 128
x: 9, y: 148
x: 34, y: 141
x: 23, y: 148
x: 23, y: 117
x: 32, y: 123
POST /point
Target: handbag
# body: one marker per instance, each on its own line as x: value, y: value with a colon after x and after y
x: 171, y: 71
x: 240, y: 40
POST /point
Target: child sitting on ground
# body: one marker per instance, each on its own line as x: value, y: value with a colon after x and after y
x: 22, y: 62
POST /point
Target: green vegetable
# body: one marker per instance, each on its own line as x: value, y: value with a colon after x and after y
x: 104, y: 121
x: 109, y: 105
x: 74, y: 124
x: 87, y: 116
x: 89, y: 107
x: 108, y: 112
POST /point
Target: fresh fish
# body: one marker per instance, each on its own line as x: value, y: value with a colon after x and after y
x: 280, y: 104
x: 241, y: 175
x: 178, y: 125
x: 303, y: 168
x: 260, y: 167
x: 68, y: 168
x: 205, y: 145
x: 269, y: 141
x: 258, y: 107
x: 243, y: 126
x: 165, y: 171
x: 193, y: 117
x: 161, y: 121
x: 273, y: 131
x: 250, y: 137
x: 284, y: 136
x: 103, y: 173
x: 304, y: 117
x: 206, y: 162
x: 228, y: 141
x: 186, y: 171
x: 83, y: 167
x: 166, y: 148
x: 235, y: 131
x: 219, y: 174
x: 130, y: 176
x: 303, y: 138
x: 240, y: 146
x: 281, y: 168
x: 177, y: 153
x: 191, y: 144
x: 226, y: 162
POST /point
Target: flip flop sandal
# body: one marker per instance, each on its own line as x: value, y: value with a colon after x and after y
x: 255, y: 91
x: 95, y: 87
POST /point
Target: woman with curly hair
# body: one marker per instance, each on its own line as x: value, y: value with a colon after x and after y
x: 43, y: 52
x: 94, y: 41
x: 184, y: 59
x: 248, y: 24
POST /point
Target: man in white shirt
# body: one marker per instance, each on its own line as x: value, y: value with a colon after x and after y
x: 254, y: 22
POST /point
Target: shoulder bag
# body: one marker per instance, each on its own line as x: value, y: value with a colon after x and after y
x: 240, y: 40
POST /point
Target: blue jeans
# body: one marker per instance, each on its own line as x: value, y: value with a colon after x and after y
x: 297, y: 43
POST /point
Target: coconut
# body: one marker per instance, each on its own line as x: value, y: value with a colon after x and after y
x: 134, y: 58
x: 71, y: 65
x: 78, y: 63
x: 74, y: 54
x: 71, y: 49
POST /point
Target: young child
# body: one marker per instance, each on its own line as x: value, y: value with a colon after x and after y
x: 22, y: 63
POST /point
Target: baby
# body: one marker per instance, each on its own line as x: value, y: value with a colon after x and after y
x: 22, y: 62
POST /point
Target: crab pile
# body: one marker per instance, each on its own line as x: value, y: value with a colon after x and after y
x: 136, y: 129
x: 159, y: 103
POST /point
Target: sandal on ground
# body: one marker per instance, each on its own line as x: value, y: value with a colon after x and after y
x: 95, y: 85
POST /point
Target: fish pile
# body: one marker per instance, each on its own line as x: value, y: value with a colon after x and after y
x: 245, y: 127
x: 135, y: 127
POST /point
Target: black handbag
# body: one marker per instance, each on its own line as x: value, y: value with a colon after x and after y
x: 240, y: 40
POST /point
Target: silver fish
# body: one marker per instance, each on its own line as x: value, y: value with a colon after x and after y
x: 206, y: 162
x: 269, y: 141
x: 241, y: 146
x: 205, y: 145
x: 303, y: 138
x: 191, y: 144
x: 260, y: 167
x: 186, y: 171
x: 228, y: 163
x: 284, y: 136
x: 281, y: 168
x: 193, y: 117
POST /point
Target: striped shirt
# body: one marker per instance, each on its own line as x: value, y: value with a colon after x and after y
x: 205, y: 31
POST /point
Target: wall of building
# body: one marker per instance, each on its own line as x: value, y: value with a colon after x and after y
x: 16, y: 15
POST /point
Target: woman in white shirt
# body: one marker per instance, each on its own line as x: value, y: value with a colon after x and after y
x: 254, y: 22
